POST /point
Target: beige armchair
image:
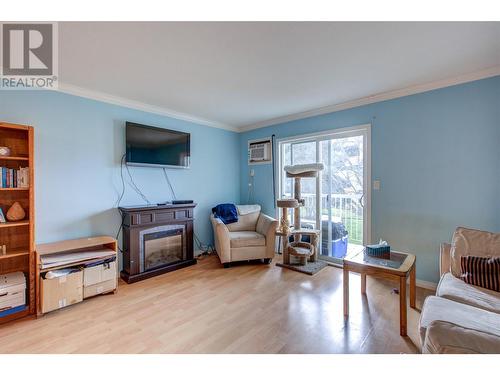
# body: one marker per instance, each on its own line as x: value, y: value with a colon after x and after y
x: 251, y: 237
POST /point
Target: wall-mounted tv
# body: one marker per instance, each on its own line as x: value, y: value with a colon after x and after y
x: 156, y: 147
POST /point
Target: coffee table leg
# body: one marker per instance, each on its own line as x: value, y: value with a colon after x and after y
x: 402, y: 306
x: 413, y: 287
x: 346, y: 292
x: 363, y: 283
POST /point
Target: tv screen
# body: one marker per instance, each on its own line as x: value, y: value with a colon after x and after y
x: 156, y: 147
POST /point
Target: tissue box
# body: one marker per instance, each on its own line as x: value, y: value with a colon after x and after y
x: 380, y: 251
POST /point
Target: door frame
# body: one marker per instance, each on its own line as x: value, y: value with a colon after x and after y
x: 365, y: 130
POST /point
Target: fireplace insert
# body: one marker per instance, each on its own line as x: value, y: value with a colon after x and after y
x: 161, y: 246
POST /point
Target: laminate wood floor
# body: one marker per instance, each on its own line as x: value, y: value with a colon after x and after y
x: 248, y: 308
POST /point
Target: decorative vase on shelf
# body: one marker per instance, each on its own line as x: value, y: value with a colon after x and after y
x: 16, y: 212
x: 4, y: 151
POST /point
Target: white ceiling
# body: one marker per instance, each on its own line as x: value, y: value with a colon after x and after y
x: 244, y: 75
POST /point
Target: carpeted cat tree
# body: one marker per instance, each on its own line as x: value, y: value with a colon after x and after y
x: 303, y: 251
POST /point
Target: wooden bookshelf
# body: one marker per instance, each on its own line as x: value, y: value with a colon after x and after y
x: 19, y: 236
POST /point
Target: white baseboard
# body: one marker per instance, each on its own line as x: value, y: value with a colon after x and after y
x: 426, y: 284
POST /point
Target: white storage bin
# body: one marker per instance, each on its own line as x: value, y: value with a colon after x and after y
x: 12, y: 290
x: 99, y: 273
x: 99, y: 279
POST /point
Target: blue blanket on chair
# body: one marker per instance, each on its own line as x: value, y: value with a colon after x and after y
x: 227, y: 212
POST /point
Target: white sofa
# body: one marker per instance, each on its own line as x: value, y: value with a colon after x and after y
x: 251, y: 237
x: 462, y: 318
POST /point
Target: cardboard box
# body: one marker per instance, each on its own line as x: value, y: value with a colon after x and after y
x: 100, y: 288
x: 99, y: 274
x: 62, y: 291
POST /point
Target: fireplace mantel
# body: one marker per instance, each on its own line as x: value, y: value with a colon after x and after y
x: 139, y: 222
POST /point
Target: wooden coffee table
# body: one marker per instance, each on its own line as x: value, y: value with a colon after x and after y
x: 398, y: 267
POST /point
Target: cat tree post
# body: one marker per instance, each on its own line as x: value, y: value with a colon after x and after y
x: 296, y: 211
x: 284, y: 228
x: 285, y: 204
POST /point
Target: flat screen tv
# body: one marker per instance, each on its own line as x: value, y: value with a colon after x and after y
x: 156, y: 147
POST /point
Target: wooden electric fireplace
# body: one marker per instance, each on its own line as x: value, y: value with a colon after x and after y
x: 156, y: 239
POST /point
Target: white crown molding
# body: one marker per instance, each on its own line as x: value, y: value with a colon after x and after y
x: 123, y: 102
x: 411, y: 90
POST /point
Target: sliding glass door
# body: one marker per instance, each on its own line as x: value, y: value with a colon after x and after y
x: 338, y: 201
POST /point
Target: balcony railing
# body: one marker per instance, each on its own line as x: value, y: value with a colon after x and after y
x: 345, y: 208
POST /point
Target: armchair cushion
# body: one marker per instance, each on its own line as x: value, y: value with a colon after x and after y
x: 246, y: 239
x: 247, y: 220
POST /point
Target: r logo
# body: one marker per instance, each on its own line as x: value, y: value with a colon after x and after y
x: 27, y: 49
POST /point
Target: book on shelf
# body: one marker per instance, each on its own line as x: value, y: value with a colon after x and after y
x: 14, y: 178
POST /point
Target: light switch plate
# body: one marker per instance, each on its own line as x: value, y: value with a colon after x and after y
x: 376, y: 185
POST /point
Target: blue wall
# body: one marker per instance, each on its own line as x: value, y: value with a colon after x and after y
x: 437, y: 155
x: 78, y: 147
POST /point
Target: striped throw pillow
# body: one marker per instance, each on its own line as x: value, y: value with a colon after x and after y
x: 481, y: 271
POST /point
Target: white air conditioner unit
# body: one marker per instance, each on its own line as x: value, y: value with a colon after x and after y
x: 259, y: 151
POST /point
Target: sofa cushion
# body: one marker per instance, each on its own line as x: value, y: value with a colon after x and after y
x: 246, y: 239
x: 247, y: 219
x: 437, y: 308
x: 455, y: 289
x: 472, y: 242
x: 447, y: 338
